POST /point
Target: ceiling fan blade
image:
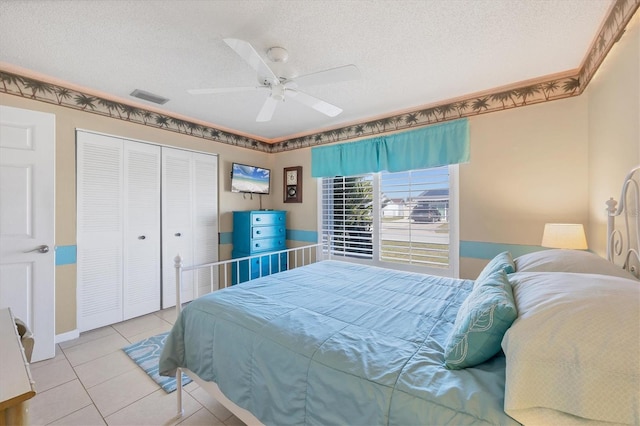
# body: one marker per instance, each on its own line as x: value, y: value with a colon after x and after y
x: 249, y: 54
x: 311, y: 101
x: 224, y: 90
x: 267, y: 110
x: 333, y: 75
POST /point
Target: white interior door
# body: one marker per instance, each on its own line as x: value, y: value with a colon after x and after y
x: 100, y: 229
x: 177, y: 225
x: 27, y: 222
x: 141, y: 229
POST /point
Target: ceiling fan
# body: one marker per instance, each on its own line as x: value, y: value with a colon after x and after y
x: 280, y: 88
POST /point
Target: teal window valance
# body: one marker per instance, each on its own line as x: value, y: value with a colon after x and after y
x: 432, y: 146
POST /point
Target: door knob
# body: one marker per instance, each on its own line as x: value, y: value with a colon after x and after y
x: 40, y: 249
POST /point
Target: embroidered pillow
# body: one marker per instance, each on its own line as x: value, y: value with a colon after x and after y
x: 483, y: 318
x: 502, y: 261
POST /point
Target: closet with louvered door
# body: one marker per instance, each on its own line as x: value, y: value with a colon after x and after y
x: 189, y: 220
x: 118, y: 229
x: 138, y: 205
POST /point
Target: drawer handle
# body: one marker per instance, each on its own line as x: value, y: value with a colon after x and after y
x: 141, y: 237
x: 177, y: 234
x: 258, y: 232
x: 257, y: 245
x: 258, y: 219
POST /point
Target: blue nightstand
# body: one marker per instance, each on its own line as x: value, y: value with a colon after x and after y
x: 258, y: 232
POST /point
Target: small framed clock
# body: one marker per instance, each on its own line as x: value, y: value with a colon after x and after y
x: 293, y: 184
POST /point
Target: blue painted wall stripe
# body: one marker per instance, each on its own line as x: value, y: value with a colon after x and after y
x: 66, y: 255
x: 226, y: 238
x: 474, y: 249
x: 483, y: 250
x: 299, y: 235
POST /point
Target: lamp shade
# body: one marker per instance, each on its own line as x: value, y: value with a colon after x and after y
x: 564, y: 235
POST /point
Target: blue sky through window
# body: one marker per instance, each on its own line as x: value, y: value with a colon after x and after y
x: 410, y: 184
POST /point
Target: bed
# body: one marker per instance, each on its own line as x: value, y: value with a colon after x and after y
x: 550, y: 337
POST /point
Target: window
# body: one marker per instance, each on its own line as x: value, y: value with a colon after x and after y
x: 405, y: 220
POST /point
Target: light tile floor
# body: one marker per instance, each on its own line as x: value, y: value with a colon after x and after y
x: 91, y: 381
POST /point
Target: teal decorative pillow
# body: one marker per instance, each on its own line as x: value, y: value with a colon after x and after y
x: 483, y: 318
x: 502, y: 261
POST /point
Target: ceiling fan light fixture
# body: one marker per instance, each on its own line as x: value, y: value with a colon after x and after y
x: 277, y: 92
x: 278, y: 54
x: 281, y: 87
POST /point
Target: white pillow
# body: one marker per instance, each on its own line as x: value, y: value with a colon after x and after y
x: 574, y: 347
x: 559, y: 260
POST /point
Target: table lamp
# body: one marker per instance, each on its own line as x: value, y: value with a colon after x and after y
x: 564, y: 235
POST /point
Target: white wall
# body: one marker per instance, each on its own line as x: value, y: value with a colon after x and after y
x: 614, y: 128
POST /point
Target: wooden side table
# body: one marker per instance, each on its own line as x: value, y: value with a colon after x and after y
x: 16, y: 384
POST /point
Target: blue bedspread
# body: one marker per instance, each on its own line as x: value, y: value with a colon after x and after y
x: 337, y: 343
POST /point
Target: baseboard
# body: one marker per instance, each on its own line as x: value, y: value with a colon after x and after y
x: 69, y: 335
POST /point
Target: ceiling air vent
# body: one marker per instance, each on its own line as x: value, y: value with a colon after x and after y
x: 141, y: 94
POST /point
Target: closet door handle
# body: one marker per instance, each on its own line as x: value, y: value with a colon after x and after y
x: 141, y: 237
x: 178, y: 234
x: 40, y: 249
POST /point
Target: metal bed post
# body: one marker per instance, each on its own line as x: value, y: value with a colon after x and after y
x: 178, y: 265
x: 611, y: 210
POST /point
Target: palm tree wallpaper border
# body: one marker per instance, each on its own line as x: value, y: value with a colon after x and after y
x: 497, y: 100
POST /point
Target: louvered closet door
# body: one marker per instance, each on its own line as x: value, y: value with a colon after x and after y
x: 177, y: 222
x: 99, y: 230
x: 141, y: 238
x: 205, y: 219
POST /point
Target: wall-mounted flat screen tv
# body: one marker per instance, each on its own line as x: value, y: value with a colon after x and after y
x: 255, y: 180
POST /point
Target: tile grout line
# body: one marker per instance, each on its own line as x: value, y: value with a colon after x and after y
x: 86, y: 389
x: 81, y: 384
x: 104, y: 418
x: 114, y: 331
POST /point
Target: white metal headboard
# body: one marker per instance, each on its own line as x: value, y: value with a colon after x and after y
x: 623, y: 239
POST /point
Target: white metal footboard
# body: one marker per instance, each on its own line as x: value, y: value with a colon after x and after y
x: 298, y: 256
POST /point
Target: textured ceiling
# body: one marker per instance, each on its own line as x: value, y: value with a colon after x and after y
x: 410, y: 53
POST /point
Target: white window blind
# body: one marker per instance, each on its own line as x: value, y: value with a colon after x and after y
x: 401, y: 220
x: 347, y: 216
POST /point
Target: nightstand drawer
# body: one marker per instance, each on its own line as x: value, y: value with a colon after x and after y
x: 267, y: 231
x: 270, y: 244
x: 270, y: 218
